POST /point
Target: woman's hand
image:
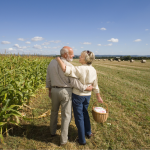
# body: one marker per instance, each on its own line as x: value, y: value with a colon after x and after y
x: 57, y: 58
x: 99, y: 99
x: 61, y: 64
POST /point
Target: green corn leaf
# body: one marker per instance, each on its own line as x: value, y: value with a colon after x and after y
x: 14, y: 112
x: 3, y: 93
x: 5, y: 107
x: 13, y: 122
x: 19, y: 93
x: 1, y: 138
x: 2, y: 123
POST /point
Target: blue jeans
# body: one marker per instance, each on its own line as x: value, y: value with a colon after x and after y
x: 80, y: 105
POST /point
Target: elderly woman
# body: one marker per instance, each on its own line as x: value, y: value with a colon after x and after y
x: 87, y: 75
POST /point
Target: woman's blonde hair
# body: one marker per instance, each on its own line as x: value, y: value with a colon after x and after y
x: 89, y: 57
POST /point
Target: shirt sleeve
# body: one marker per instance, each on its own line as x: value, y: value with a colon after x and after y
x: 73, y: 71
x: 77, y: 84
x: 95, y: 86
x: 48, y: 80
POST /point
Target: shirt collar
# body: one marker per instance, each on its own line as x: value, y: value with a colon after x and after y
x: 63, y: 58
x: 86, y: 65
x: 82, y: 65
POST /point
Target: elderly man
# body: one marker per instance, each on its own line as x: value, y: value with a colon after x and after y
x: 60, y: 92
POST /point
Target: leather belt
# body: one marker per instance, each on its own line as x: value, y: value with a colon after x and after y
x: 59, y: 87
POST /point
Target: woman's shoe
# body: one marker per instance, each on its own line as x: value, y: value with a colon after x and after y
x: 89, y: 136
x: 81, y: 143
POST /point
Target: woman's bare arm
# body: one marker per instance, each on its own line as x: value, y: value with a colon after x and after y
x: 99, y: 99
x: 61, y: 64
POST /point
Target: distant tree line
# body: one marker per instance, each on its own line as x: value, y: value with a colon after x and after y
x: 124, y: 58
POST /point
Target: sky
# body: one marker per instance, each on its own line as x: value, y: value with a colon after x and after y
x: 105, y: 27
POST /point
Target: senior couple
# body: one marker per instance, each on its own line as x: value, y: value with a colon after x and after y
x: 71, y: 86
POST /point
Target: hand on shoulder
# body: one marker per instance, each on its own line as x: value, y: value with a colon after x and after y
x: 57, y: 58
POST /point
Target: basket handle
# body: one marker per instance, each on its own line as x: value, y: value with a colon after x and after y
x: 104, y: 104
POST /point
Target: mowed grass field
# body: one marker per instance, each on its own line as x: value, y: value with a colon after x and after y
x: 124, y: 87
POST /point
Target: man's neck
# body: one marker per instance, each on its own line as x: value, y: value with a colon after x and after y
x: 63, y: 57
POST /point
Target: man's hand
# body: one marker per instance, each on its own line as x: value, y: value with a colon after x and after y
x: 50, y: 93
x: 89, y: 88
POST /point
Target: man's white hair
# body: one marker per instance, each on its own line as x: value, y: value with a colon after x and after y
x: 63, y: 51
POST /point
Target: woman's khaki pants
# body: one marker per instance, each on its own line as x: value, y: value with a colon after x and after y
x: 63, y: 97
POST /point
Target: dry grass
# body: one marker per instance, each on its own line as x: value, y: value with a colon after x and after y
x: 124, y: 86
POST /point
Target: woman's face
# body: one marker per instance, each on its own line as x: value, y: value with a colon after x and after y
x: 82, y: 58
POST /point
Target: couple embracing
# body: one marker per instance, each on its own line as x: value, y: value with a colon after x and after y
x: 71, y: 86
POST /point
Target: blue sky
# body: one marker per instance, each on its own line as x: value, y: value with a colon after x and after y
x: 115, y: 27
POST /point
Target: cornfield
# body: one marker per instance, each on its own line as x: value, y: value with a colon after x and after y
x: 20, y: 77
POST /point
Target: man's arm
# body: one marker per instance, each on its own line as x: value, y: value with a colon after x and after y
x: 78, y: 85
x: 49, y: 93
x: 48, y: 82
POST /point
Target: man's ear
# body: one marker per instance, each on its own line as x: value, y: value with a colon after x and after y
x: 65, y: 55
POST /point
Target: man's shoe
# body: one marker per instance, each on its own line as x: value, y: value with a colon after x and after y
x: 53, y: 135
x: 63, y: 145
x: 89, y: 136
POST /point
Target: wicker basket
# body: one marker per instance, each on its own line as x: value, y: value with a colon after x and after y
x: 100, y: 117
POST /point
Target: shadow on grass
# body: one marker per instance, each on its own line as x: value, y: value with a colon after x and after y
x: 41, y: 133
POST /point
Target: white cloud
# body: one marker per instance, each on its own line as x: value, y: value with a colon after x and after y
x: 99, y: 44
x: 57, y: 41
x: 5, y: 42
x: 11, y: 49
x: 137, y: 40
x: 87, y: 43
x: 28, y: 42
x: 110, y: 44
x: 146, y: 29
x: 20, y: 48
x: 24, y: 47
x: 21, y: 39
x: 37, y: 46
x: 45, y: 46
x: 103, y: 29
x: 56, y: 47
x: 146, y: 44
x: 37, y: 38
x: 17, y: 45
x: 81, y: 47
x: 67, y: 43
x: 113, y: 40
x: 46, y: 43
